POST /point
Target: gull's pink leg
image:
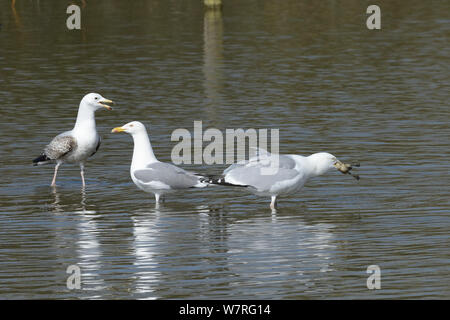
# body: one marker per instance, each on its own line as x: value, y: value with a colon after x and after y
x: 54, y: 176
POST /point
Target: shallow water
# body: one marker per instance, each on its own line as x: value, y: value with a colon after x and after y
x: 312, y: 70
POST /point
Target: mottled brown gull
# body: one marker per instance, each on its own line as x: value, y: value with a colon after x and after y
x: 78, y: 144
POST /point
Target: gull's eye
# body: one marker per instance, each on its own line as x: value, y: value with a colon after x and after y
x: 131, y: 125
x: 96, y: 98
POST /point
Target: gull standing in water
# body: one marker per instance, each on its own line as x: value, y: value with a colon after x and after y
x: 151, y: 175
x: 290, y: 173
x: 78, y: 144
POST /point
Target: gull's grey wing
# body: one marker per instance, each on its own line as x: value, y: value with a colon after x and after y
x: 284, y: 162
x: 253, y: 177
x: 60, y: 146
x: 165, y: 174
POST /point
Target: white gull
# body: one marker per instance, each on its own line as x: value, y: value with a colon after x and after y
x: 290, y: 174
x: 151, y: 175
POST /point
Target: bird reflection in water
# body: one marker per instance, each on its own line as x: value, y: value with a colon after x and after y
x: 58, y: 207
x: 83, y: 202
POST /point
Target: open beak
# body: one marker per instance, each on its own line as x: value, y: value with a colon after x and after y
x: 345, y: 168
x: 118, y: 129
x: 104, y: 102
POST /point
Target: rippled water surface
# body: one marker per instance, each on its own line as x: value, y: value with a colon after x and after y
x: 310, y: 69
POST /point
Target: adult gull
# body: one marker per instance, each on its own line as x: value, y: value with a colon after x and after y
x: 151, y: 175
x: 78, y: 144
x: 273, y: 175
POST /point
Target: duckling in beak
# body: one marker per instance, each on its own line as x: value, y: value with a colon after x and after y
x: 346, y: 167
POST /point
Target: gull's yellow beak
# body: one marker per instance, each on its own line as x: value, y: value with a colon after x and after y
x: 104, y: 103
x: 118, y: 129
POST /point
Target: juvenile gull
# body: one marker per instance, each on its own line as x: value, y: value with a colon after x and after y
x: 151, y: 175
x: 78, y: 144
x: 290, y: 174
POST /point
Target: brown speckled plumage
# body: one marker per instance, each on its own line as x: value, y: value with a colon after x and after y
x: 60, y: 146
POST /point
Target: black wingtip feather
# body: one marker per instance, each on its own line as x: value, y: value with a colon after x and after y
x: 41, y: 158
x: 220, y: 181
